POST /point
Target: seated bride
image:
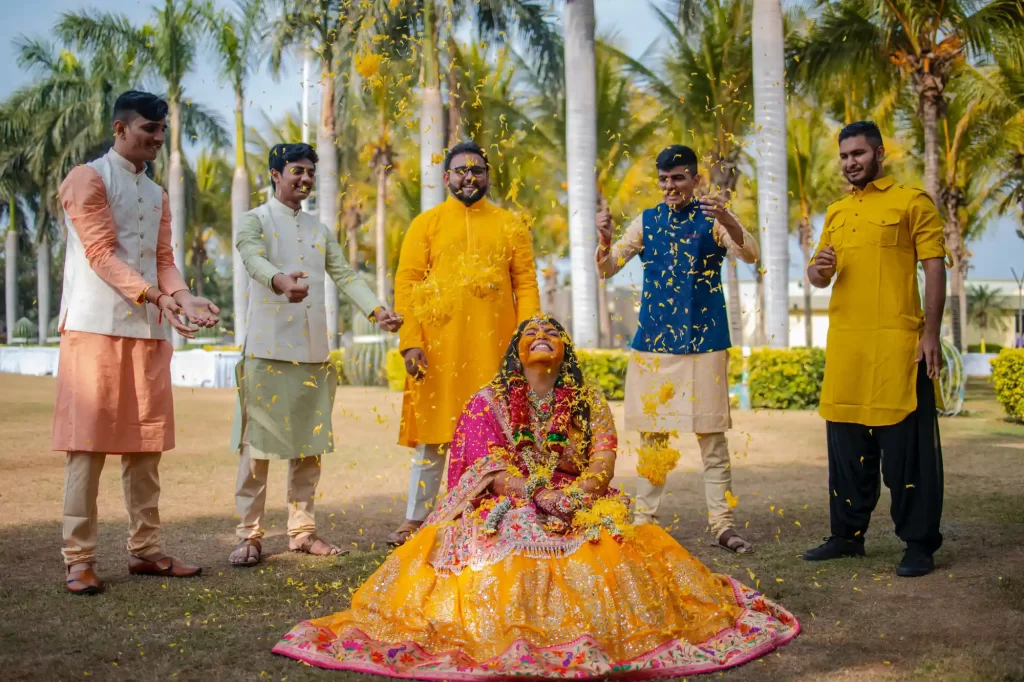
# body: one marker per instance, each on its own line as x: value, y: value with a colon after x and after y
x: 530, y: 566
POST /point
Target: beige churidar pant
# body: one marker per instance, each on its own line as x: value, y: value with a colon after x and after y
x: 140, y: 480
x: 714, y: 452
x: 251, y: 495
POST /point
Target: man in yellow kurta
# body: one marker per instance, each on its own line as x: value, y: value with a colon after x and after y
x: 882, y: 357
x: 466, y: 278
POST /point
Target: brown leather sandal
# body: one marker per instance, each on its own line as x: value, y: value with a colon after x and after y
x: 403, y: 533
x: 163, y: 566
x: 81, y: 579
x: 243, y: 557
x: 731, y: 540
x: 315, y: 546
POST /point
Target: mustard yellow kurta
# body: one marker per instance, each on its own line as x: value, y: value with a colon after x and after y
x: 875, y: 319
x: 466, y: 278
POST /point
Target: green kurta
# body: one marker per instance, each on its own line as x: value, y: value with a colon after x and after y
x: 283, y: 409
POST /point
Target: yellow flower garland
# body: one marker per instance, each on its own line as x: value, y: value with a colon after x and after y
x: 655, y: 463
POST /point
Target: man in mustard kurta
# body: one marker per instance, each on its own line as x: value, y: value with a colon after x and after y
x: 882, y: 357
x: 466, y: 278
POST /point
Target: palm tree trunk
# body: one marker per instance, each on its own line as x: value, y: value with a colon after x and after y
x: 772, y: 195
x: 239, y: 205
x: 381, y: 255
x: 759, y: 312
x: 198, y: 261
x: 176, y: 194
x: 432, y: 189
x: 805, y: 248
x: 952, y: 198
x: 581, y: 160
x: 455, y: 131
x: 43, y: 286
x: 327, y: 191
x: 930, y: 116
x: 550, y: 274
x: 11, y: 268
x: 733, y: 302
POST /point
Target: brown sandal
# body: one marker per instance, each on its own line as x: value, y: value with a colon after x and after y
x: 314, y: 545
x: 403, y: 533
x: 731, y: 540
x: 81, y: 579
x: 242, y: 556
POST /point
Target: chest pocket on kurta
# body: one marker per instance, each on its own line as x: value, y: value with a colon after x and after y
x: 882, y: 228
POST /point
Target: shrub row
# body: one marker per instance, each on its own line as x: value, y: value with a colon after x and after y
x: 1008, y: 380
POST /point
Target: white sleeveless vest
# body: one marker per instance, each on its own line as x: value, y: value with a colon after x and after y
x: 279, y: 330
x: 88, y: 304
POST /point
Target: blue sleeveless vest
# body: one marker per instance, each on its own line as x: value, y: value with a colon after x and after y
x: 682, y: 308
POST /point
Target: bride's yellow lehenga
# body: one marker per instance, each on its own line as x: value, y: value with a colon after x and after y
x: 464, y: 599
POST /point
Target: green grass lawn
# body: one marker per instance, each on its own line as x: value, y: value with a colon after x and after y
x: 963, y: 623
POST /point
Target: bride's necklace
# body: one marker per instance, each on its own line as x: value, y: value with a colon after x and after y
x: 544, y: 407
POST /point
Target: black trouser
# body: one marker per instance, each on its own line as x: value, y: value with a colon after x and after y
x: 911, y: 466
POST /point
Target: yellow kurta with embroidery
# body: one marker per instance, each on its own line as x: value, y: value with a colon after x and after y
x: 875, y: 319
x: 466, y: 278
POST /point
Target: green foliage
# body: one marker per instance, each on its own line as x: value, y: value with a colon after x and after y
x: 394, y: 368
x: 1008, y: 379
x: 786, y: 378
x: 25, y: 329
x: 606, y: 369
x: 735, y: 366
x: 337, y: 357
x: 989, y: 348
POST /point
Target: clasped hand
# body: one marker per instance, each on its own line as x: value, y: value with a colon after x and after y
x: 197, y: 310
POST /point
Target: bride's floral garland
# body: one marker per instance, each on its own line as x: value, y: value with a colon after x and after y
x: 540, y: 461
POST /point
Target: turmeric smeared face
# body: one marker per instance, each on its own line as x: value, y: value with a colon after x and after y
x: 541, y: 345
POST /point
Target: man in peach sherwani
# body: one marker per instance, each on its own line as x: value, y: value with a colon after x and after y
x: 114, y: 376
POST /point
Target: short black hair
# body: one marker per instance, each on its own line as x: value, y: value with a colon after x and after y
x: 134, y: 103
x: 866, y: 128
x: 463, y: 148
x: 282, y: 154
x: 675, y: 156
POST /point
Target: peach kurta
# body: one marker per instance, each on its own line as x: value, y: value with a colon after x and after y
x: 114, y: 392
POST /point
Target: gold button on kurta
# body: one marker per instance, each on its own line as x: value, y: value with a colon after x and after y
x: 875, y: 319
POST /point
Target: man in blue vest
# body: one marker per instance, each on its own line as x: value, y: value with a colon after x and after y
x: 677, y: 381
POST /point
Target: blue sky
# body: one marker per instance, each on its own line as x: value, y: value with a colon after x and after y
x: 632, y: 21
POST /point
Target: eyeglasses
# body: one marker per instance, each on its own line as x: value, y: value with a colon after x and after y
x: 475, y: 171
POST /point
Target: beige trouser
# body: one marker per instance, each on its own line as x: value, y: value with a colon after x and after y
x: 251, y: 495
x: 140, y: 480
x: 425, y: 480
x: 714, y: 451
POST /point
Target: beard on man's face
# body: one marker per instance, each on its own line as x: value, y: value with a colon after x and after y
x: 467, y: 193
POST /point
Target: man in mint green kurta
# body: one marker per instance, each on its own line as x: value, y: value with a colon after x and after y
x: 286, y: 380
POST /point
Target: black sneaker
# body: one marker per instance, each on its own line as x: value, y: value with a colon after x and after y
x: 916, y: 562
x: 835, y: 548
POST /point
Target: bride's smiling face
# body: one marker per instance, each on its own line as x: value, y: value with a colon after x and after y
x: 541, y: 345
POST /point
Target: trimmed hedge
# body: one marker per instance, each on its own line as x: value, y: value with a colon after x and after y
x: 786, y: 378
x: 779, y: 379
x: 1008, y: 379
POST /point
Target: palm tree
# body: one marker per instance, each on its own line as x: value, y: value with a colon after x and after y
x: 626, y: 123
x: 985, y: 306
x: 581, y: 160
x: 211, y: 180
x: 238, y: 40
x: 167, y: 47
x: 922, y: 43
x: 15, y: 225
x: 706, y: 92
x: 61, y: 119
x: 773, y: 202
x: 495, y: 21
x: 815, y: 182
